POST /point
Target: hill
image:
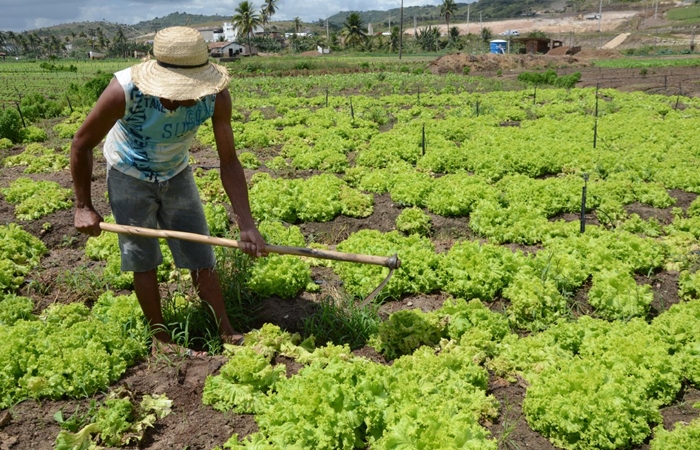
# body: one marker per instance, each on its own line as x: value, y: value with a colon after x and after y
x: 488, y: 9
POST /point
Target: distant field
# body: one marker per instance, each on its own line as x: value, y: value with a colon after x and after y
x: 686, y: 14
x: 634, y: 62
x: 20, y: 78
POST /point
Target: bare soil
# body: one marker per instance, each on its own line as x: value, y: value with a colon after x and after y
x: 192, y: 425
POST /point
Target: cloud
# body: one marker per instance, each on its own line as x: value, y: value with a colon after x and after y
x: 21, y: 15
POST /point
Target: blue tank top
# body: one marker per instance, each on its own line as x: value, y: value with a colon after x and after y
x: 151, y: 142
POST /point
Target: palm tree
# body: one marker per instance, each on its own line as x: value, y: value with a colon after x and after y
x: 269, y: 8
x: 353, y: 30
x: 245, y: 20
x: 297, y: 24
x: 264, y: 19
x: 448, y: 9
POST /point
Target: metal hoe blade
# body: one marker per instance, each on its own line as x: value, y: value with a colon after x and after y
x: 392, y: 263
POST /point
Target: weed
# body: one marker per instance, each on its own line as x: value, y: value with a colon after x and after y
x: 78, y: 419
x: 234, y: 269
x: 84, y: 283
x: 68, y: 241
x: 341, y: 321
x: 509, y: 423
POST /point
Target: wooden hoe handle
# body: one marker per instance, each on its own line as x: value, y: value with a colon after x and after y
x: 392, y: 262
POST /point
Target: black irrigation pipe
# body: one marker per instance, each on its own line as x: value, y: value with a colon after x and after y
x: 595, y: 127
x: 583, y: 202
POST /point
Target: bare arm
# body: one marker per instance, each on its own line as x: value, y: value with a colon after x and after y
x: 108, y: 109
x: 233, y: 177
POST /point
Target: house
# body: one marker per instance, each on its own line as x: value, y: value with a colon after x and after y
x: 531, y: 45
x: 230, y: 33
x: 210, y: 34
x: 226, y: 49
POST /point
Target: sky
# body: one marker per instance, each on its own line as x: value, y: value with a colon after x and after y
x: 21, y: 15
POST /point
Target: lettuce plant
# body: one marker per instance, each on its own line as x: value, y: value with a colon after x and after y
x: 35, y: 199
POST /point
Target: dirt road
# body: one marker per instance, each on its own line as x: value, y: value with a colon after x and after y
x: 563, y: 25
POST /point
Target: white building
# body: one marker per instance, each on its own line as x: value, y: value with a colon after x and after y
x: 230, y: 34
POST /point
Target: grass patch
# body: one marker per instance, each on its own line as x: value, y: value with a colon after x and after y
x: 342, y: 321
x: 685, y: 15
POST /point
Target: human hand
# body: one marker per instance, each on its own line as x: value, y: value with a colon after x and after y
x: 252, y: 242
x: 87, y: 221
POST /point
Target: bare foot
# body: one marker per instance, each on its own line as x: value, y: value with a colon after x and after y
x: 172, y: 349
x: 233, y: 339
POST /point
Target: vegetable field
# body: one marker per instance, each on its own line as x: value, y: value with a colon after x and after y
x: 548, y: 297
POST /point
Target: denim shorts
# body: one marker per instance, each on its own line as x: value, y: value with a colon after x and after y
x: 169, y: 205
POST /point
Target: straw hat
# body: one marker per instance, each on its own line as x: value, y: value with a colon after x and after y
x: 181, y: 69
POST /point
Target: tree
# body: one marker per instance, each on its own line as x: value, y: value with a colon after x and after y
x: 486, y: 34
x: 394, y: 40
x: 119, y: 43
x: 353, y: 30
x: 269, y: 8
x: 264, y: 19
x: 297, y: 24
x: 245, y: 20
x: 428, y: 38
x: 447, y: 10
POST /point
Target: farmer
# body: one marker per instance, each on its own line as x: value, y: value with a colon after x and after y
x: 150, y: 114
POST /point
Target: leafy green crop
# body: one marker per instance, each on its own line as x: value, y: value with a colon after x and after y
x: 407, y: 330
x: 280, y: 275
x: 683, y: 436
x: 38, y: 159
x: 242, y: 383
x: 71, y: 350
x: 35, y: 199
x: 475, y: 270
x: 416, y: 274
x: 413, y: 221
x: 19, y: 253
x: 616, y: 295
x: 14, y: 308
x: 340, y: 401
x: 535, y: 301
x: 118, y: 422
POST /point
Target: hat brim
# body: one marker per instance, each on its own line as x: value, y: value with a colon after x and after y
x: 179, y: 84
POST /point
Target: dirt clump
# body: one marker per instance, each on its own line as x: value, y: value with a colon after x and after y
x: 456, y: 62
x: 599, y: 54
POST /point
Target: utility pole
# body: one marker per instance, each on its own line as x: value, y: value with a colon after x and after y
x: 468, y: 6
x: 600, y: 15
x: 401, y: 31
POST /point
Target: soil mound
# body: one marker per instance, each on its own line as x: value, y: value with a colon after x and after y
x: 599, y: 54
x: 456, y: 62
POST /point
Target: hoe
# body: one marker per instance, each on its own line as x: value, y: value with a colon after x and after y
x: 392, y: 262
